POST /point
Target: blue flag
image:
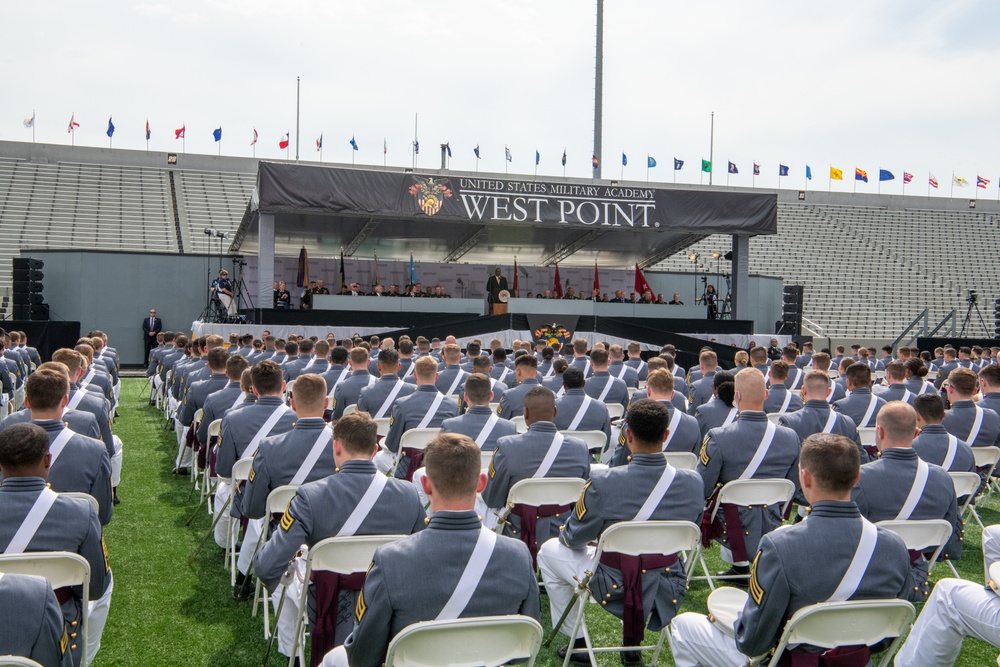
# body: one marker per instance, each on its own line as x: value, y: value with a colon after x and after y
x: 624, y: 160
x: 416, y: 147
x: 447, y: 147
x: 537, y: 157
x: 733, y: 169
x: 809, y: 173
x: 650, y: 162
x: 678, y: 164
x: 564, y: 157
x: 413, y: 271
x: 884, y: 175
x: 354, y: 144
x: 782, y: 170
x: 111, y: 128
x: 476, y: 151
x: 756, y: 169
x: 217, y: 133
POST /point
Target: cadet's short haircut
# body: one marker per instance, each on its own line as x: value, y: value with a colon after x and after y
x: 168, y: 336
x: 541, y: 402
x: 267, y: 377
x: 779, y: 371
x: 388, y: 357
x: 616, y: 351
x: 930, y: 407
x: 322, y: 349
x: 759, y: 354
x: 832, y: 460
x: 572, y: 378
x: 22, y: 445
x: 790, y: 352
x: 478, y: 388
x: 425, y: 368
x: 991, y: 374
x: 217, y: 358
x: 816, y: 383
x: 660, y: 363
x: 214, y: 341
x: 580, y: 346
x: 898, y: 420
x: 405, y: 346
x: 338, y: 355
x: 87, y: 351
x: 291, y: 348
x: 235, y: 366
x: 519, y: 353
x: 451, y: 353
x: 599, y: 357
x: 269, y: 340
x: 482, y: 364
x: 70, y: 358
x: 896, y: 370
x: 359, y: 356
x: 634, y: 348
x: 56, y: 366
x: 965, y: 349
x: 648, y: 421
x: 309, y: 391
x: 860, y: 375
x: 708, y: 359
x: 246, y: 380
x: 821, y: 361
x: 357, y: 432
x: 661, y: 381
x: 305, y: 346
x: 473, y: 349
x: 526, y: 360
x: 950, y: 353
x: 559, y: 366
x: 963, y: 380
x: 44, y: 389
x: 500, y: 354
x: 453, y: 463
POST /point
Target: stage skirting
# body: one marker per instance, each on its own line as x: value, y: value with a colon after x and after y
x: 47, y: 337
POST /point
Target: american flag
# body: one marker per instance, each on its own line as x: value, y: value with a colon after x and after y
x: 981, y: 182
x: 933, y: 181
x: 907, y: 177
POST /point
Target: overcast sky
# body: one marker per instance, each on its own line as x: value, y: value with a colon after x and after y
x: 896, y: 85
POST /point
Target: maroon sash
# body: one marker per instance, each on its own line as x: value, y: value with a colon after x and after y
x: 842, y: 656
x: 632, y: 567
x: 64, y: 594
x: 730, y: 527
x: 529, y: 516
x: 416, y: 460
x: 871, y: 450
x: 326, y: 588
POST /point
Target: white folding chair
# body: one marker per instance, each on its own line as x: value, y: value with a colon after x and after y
x: 987, y: 457
x: 773, y: 417
x: 494, y: 407
x: 241, y: 473
x: 288, y: 392
x: 746, y: 492
x: 415, y: 438
x: 632, y: 390
x: 353, y: 407
x: 84, y: 496
x: 62, y: 569
x: 636, y: 538
x: 277, y: 502
x: 642, y: 384
x: 615, y: 410
x: 851, y: 623
x: 486, y: 458
x: 519, y: 424
x: 867, y: 435
x: 921, y: 535
x: 538, y: 491
x: 485, y: 640
x: 595, y: 440
x: 382, y: 424
x: 966, y: 484
x: 795, y: 392
x: 682, y: 460
x: 340, y: 555
x: 207, y: 488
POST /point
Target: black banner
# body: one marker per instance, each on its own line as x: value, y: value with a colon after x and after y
x: 381, y: 194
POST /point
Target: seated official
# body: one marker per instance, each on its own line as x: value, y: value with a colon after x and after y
x: 786, y: 576
x: 646, y: 489
x: 576, y: 411
x: 780, y: 399
x: 934, y: 444
x: 282, y: 297
x: 684, y: 434
x: 417, y: 578
x: 32, y: 621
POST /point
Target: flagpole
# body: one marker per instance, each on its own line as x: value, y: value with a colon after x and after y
x: 647, y: 168
x: 711, y: 151
x: 951, y: 189
x: 829, y: 187
x: 414, y: 140
x: 298, y: 87
x: 385, y: 149
x: 928, y: 185
x: 183, y: 138
x: 33, y: 123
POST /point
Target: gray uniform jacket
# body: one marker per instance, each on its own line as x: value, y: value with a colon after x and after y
x: 686, y: 437
x: 333, y: 374
x: 198, y: 394
x: 932, y: 446
x: 776, y: 398
x: 617, y: 494
x: 785, y: 576
x: 960, y: 422
x: 81, y: 422
x: 554, y: 382
x: 216, y: 406
x: 512, y: 403
x: 713, y: 414
x: 348, y: 391
x: 280, y: 456
x: 625, y: 373
x: 446, y: 380
x: 640, y: 366
x: 83, y: 466
x: 598, y: 382
x: 474, y: 421
x: 71, y: 525
x: 292, y: 368
x: 897, y: 392
x: 583, y: 363
x: 374, y: 396
x: 883, y: 490
x: 409, y: 412
x: 32, y: 621
x: 96, y: 406
x: 812, y: 419
x: 596, y: 417
x: 501, y: 373
x: 857, y: 405
x: 411, y: 580
x: 943, y: 371
x: 991, y: 401
x: 700, y: 391
x: 241, y: 425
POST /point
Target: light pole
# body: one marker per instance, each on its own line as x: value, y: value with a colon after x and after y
x: 694, y: 263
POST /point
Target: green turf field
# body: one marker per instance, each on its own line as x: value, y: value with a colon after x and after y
x: 167, y: 612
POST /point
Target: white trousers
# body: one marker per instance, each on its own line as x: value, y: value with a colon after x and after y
x: 19, y: 397
x: 383, y: 461
x: 335, y: 658
x: 97, y: 619
x: 559, y: 566
x: 284, y: 625
x: 255, y: 528
x: 697, y: 642
x: 184, y: 454
x: 116, y: 462
x: 225, y: 522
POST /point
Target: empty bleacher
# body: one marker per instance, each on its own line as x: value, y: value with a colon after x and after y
x: 207, y: 199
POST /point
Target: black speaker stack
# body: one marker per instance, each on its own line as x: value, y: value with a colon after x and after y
x: 29, y: 303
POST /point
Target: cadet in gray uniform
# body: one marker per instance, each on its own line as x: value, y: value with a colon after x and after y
x: 749, y: 448
x: 817, y: 416
x: 424, y: 408
x: 934, y: 444
x: 720, y: 410
x: 545, y: 360
x: 482, y: 365
x: 69, y: 524
x: 618, y: 369
x: 77, y: 463
x: 683, y: 434
x: 580, y: 359
x: 348, y: 391
x: 83, y: 400
x: 785, y: 575
x: 989, y: 387
x: 479, y: 422
x: 890, y: 485
x: 862, y: 406
x: 297, y: 356
x: 895, y: 388
x: 526, y: 374
x: 636, y: 362
x: 339, y: 368
x: 378, y: 398
x: 452, y: 376
x: 945, y: 369
x: 421, y: 573
x: 576, y: 411
x: 220, y: 402
x: 32, y: 621
x: 195, y: 399
x: 319, y: 362
x: 602, y: 385
x: 779, y: 398
x: 701, y: 390
x: 646, y: 489
x: 332, y: 507
x: 553, y: 378
x: 980, y: 427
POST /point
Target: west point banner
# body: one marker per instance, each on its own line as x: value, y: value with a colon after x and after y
x: 287, y: 188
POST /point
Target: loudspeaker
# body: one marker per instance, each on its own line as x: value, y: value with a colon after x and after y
x: 27, y: 276
x: 791, y: 311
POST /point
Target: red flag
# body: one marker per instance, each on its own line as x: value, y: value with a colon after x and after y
x: 640, y: 282
x: 284, y: 142
x: 597, y: 279
x: 516, y: 294
x: 179, y: 133
x: 557, y: 290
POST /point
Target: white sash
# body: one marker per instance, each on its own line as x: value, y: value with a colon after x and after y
x: 730, y: 417
x: 830, y: 421
x: 409, y: 370
x: 786, y: 401
x: 549, y: 373
x: 870, y: 411
x: 309, y: 364
x: 581, y: 413
x: 607, y: 388
x: 758, y: 457
x: 57, y: 446
x: 924, y: 388
x: 239, y: 399
x: 388, y: 400
x: 471, y: 576
x: 324, y: 440
x: 340, y: 378
x: 656, y: 495
x: 456, y: 382
x: 561, y: 392
x: 487, y: 429
x: 504, y: 374
x: 862, y: 556
x: 364, y: 506
x: 76, y: 399
x: 265, y: 429
x: 977, y: 424
x: 431, y: 411
x: 675, y: 420
x: 916, y: 490
x: 797, y: 380
x: 906, y: 395
x: 949, y: 456
x: 550, y: 456
x: 32, y: 522
x: 586, y: 367
x: 622, y: 372
x: 638, y: 369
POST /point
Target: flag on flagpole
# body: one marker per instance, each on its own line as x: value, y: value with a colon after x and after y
x: 148, y: 133
x: 72, y: 123
x: 809, y: 173
x: 538, y: 158
x: 284, y: 141
x: 385, y: 147
x: 706, y: 166
x: 593, y: 161
x: 640, y: 281
x: 782, y: 170
x: 353, y: 143
x: 447, y: 147
x: 597, y: 279
x: 343, y: 278
x: 860, y: 175
x: 217, y: 134
x: 254, y: 140
x: 30, y: 122
x: 678, y: 164
x: 302, y: 275
x: 516, y: 286
x: 319, y: 142
x: 624, y: 159
x: 960, y: 182
x: 375, y: 280
x: 907, y: 178
x: 111, y: 128
x: 981, y: 182
x: 564, y: 158
x: 932, y: 181
x: 885, y: 175
x: 179, y: 133
x: 557, y: 287
x: 836, y: 174
x: 476, y: 151
x: 650, y: 162
x: 416, y: 147
x: 756, y: 169
x: 413, y: 271
x: 507, y: 153
x: 732, y: 168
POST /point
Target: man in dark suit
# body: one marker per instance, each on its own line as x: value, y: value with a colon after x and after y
x: 496, y: 284
x: 151, y: 326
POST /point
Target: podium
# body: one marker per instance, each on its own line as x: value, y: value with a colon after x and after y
x: 499, y: 308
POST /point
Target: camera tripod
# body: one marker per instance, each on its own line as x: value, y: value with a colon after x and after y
x: 973, y: 304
